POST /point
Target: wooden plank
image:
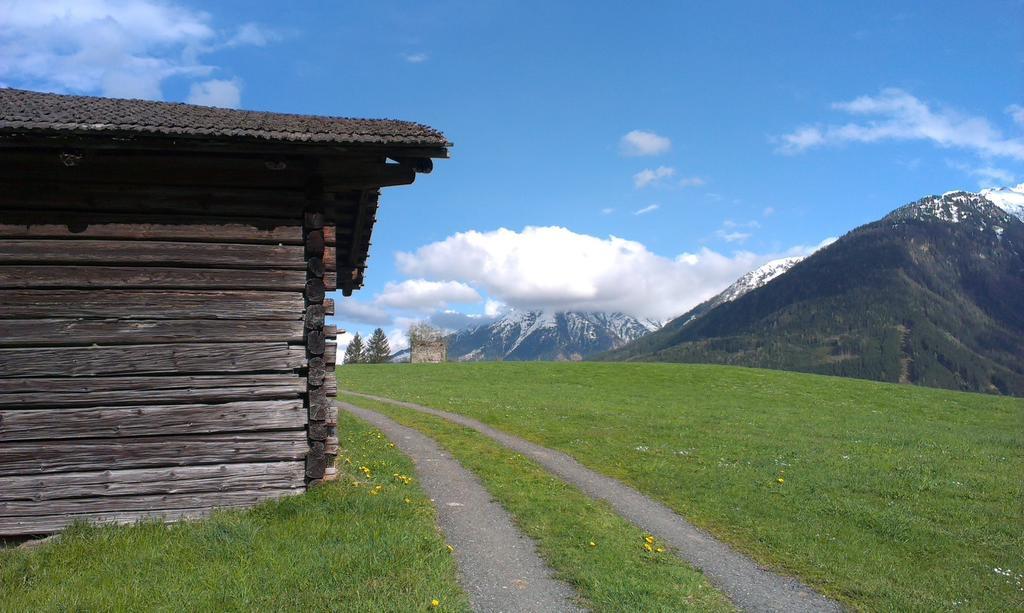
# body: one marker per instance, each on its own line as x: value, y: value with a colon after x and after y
x: 45, y: 524
x: 250, y: 416
x: 163, y: 253
x: 245, y: 384
x: 152, y: 304
x: 241, y: 202
x: 45, y: 398
x: 330, y: 355
x: 193, y: 358
x: 148, y: 277
x: 65, y: 332
x: 40, y: 457
x: 81, y: 506
x: 141, y: 226
x: 118, y: 168
x: 176, y: 480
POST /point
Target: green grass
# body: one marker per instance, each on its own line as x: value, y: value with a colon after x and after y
x: 334, y: 548
x: 613, y: 574
x: 894, y: 497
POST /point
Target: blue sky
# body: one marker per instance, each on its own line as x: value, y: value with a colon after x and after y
x: 763, y: 128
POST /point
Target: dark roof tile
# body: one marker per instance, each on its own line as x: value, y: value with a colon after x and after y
x: 22, y: 110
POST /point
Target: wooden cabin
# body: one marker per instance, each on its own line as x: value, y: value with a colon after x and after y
x: 163, y: 279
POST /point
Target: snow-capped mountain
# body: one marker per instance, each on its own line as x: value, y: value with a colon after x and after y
x: 977, y: 211
x: 545, y: 335
x: 931, y: 294
x: 1010, y: 199
x: 754, y: 279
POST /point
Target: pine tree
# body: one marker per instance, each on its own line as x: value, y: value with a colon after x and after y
x: 377, y: 349
x: 354, y: 354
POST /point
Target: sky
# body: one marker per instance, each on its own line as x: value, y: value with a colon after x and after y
x: 634, y: 157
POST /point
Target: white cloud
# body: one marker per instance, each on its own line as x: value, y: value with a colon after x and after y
x: 121, y: 48
x: 556, y: 268
x: 607, y: 211
x: 898, y: 115
x: 348, y: 309
x: 252, y: 34
x: 495, y: 308
x: 768, y: 211
x: 216, y: 92
x: 648, y: 176
x: 1016, y: 113
x: 691, y: 182
x: 398, y: 339
x: 415, y: 58
x: 734, y: 236
x: 640, y: 142
x: 987, y: 176
x: 647, y: 209
x: 423, y: 295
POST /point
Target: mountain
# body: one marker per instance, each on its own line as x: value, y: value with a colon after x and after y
x: 1010, y: 199
x: 931, y: 294
x: 542, y: 335
x: 748, y: 282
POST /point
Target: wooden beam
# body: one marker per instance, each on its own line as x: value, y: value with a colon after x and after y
x: 67, y: 332
x: 55, y: 393
x: 161, y: 253
x: 191, y: 358
x: 142, y: 226
x: 115, y: 277
x: 41, y: 457
x: 92, y: 385
x: 45, y: 524
x: 81, y: 506
x: 152, y: 304
x: 176, y: 480
x: 249, y: 416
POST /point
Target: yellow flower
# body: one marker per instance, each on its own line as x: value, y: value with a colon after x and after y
x: 593, y: 544
x: 391, y: 445
x: 647, y: 547
x: 781, y: 480
x: 435, y: 603
x: 649, y: 539
x: 660, y: 550
x: 407, y: 501
x: 450, y: 549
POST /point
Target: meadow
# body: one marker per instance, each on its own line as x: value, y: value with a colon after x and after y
x: 884, y: 496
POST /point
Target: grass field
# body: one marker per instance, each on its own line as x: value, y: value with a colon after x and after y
x: 338, y: 547
x: 887, y: 497
x: 585, y: 542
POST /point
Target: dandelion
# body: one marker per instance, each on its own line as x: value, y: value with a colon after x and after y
x: 647, y: 547
x: 593, y: 544
x: 391, y: 445
x: 781, y: 480
x: 660, y: 550
x: 649, y: 539
x: 450, y: 549
x: 435, y: 603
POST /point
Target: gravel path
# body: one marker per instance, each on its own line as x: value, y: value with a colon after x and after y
x: 749, y: 586
x: 498, y: 567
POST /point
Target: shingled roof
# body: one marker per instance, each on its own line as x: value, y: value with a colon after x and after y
x: 26, y: 111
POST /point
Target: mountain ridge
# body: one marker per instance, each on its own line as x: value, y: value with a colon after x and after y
x: 932, y: 293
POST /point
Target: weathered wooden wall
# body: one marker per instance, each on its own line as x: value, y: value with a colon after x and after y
x: 162, y: 340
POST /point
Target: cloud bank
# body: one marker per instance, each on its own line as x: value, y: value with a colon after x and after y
x: 120, y: 48
x: 895, y: 115
x: 555, y: 268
